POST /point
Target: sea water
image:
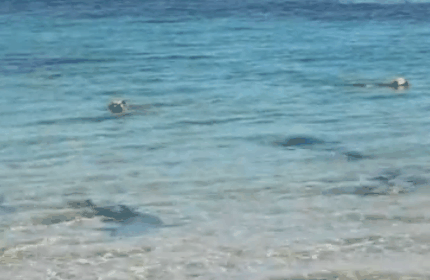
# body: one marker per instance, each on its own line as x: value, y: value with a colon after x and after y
x: 229, y: 89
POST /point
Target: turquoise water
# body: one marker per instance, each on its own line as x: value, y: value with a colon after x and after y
x: 226, y: 85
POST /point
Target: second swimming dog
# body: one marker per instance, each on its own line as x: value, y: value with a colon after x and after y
x: 397, y: 84
x: 120, y: 107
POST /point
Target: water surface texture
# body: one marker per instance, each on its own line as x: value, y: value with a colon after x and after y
x: 252, y: 159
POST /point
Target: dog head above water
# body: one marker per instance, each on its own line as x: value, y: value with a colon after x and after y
x: 399, y: 83
x: 117, y: 106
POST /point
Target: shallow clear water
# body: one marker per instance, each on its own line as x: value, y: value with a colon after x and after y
x: 226, y: 84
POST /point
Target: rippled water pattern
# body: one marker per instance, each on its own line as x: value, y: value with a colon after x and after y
x: 249, y: 154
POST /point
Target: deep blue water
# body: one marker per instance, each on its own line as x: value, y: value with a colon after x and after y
x: 254, y: 149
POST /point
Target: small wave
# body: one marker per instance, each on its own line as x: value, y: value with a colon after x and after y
x: 16, y: 65
x: 180, y: 57
x: 212, y: 122
x: 77, y: 120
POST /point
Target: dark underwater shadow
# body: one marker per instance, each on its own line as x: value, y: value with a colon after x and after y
x: 309, y: 142
x: 121, y: 220
x: 299, y: 141
x: 4, y: 210
x: 388, y: 182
